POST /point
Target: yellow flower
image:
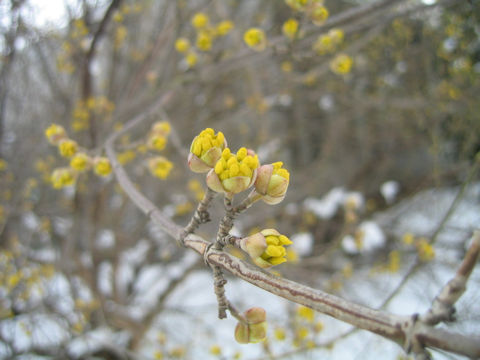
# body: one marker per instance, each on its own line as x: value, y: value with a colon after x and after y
x: 336, y: 35
x: 205, y: 150
x: 306, y: 313
x: 80, y: 162
x: 298, y: 5
x: 156, y: 142
x: 191, y: 59
x: 204, y: 41
x: 162, y: 128
x: 3, y: 164
x: 272, y: 182
x: 255, y: 38
x: 126, y: 156
x: 233, y: 173
x: 101, y: 166
x: 200, y: 20
x: 280, y: 334
x: 290, y: 28
x: 182, y: 45
x: 62, y: 177
x: 266, y: 248
x: 160, y: 167
x: 324, y: 44
x: 224, y: 27
x: 67, y: 148
x: 215, y: 350
x: 341, y: 64
x: 319, y: 14
x: 425, y: 250
x: 55, y: 133
x: 408, y: 238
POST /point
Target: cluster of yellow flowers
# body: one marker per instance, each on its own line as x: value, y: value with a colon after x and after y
x: 80, y: 161
x: 314, y: 9
x: 158, y: 135
x: 206, y: 34
x: 341, y: 64
x: 329, y: 42
x: 255, y: 39
x: 424, y: 248
x: 160, y: 166
x: 290, y: 28
x: 93, y: 106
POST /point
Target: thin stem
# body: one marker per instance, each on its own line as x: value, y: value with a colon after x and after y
x: 201, y: 215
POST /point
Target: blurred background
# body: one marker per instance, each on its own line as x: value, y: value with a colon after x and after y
x: 370, y: 105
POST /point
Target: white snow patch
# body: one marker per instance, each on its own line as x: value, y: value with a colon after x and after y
x: 302, y: 243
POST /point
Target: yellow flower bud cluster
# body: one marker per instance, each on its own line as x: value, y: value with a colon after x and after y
x: 329, y: 42
x: 341, y: 64
x: 80, y: 162
x: 67, y: 148
x: 101, y: 166
x: 266, y: 248
x: 63, y: 177
x: 240, y: 164
x: 206, y: 34
x: 290, y: 28
x: 314, y: 9
x: 255, y: 39
x: 158, y: 136
x: 84, y: 110
x: 160, y: 167
x: 207, y: 140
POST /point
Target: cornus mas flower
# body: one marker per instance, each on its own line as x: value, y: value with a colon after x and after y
x: 67, y: 148
x: 319, y: 14
x: 205, y: 150
x: 255, y: 38
x: 182, y: 45
x: 272, y: 182
x: 62, y: 177
x: 233, y: 173
x: 290, y: 28
x: 101, y: 166
x: 200, y: 20
x: 266, y: 248
x: 160, y: 167
x: 341, y: 64
x: 80, y: 162
x: 254, y: 328
x: 55, y: 133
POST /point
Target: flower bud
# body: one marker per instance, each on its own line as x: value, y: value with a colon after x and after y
x: 254, y: 329
x: 67, y: 148
x: 272, y: 182
x: 62, y: 177
x: 101, y: 166
x: 233, y: 173
x: 266, y: 248
x: 205, y: 150
x: 55, y: 133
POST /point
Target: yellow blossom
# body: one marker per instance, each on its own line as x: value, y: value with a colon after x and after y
x: 266, y: 248
x: 200, y: 20
x: 341, y: 64
x: 233, y: 173
x: 272, y: 182
x: 408, y: 238
x: 215, y: 350
x: 156, y: 142
x: 306, y: 313
x: 67, y: 148
x: 255, y: 38
x: 101, y: 166
x: 425, y: 250
x: 55, y: 133
x: 204, y: 41
x: 191, y: 59
x: 80, y: 162
x: 205, y: 150
x: 160, y: 167
x: 126, y: 156
x: 290, y: 28
x: 224, y: 27
x: 319, y: 14
x: 279, y: 334
x: 182, y: 45
x: 62, y: 177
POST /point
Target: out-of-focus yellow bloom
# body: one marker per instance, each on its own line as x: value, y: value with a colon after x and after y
x: 67, y: 148
x: 290, y: 28
x: 341, y: 64
x: 62, y: 177
x: 101, y: 166
x: 255, y: 38
x: 425, y: 250
x: 80, y: 162
x: 156, y: 142
x: 55, y: 133
x: 191, y: 59
x: 160, y: 167
x: 319, y: 14
x: 224, y: 27
x: 204, y: 41
x: 215, y: 350
x: 408, y: 238
x: 182, y: 45
x: 279, y: 334
x: 286, y: 66
x: 306, y: 313
x: 126, y: 156
x: 200, y: 20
